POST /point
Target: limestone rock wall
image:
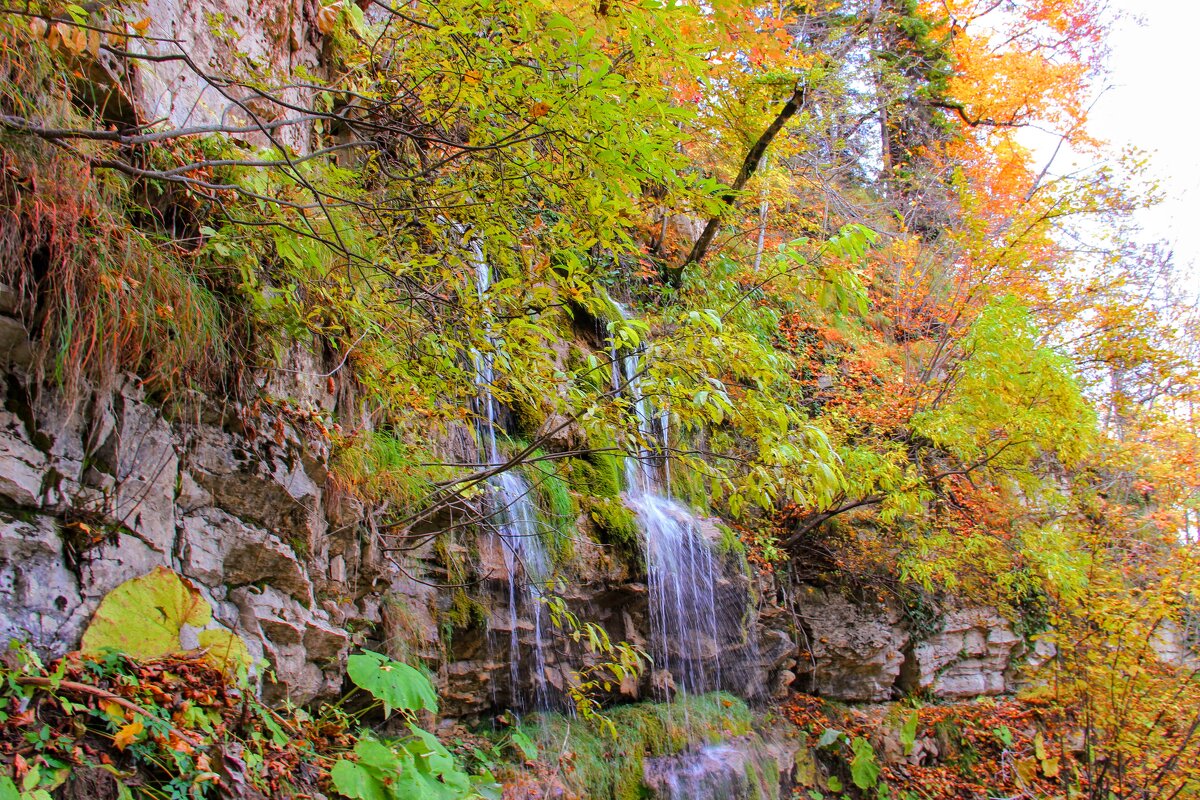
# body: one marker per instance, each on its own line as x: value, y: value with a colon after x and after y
x: 239, y: 500
x: 105, y: 491
x: 98, y: 493
x: 177, y: 72
x: 864, y: 652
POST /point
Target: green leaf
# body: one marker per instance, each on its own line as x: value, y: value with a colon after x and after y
x: 8, y: 789
x: 355, y: 782
x: 396, y: 685
x: 864, y: 769
x: 437, y: 759
x: 143, y: 616
x: 1004, y: 735
x: 908, y: 733
x: 487, y: 787
x: 526, y: 745
x: 829, y: 737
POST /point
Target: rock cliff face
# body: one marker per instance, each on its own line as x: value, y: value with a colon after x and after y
x: 105, y: 490
x: 271, y: 45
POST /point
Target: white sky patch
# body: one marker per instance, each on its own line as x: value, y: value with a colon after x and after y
x: 1152, y: 105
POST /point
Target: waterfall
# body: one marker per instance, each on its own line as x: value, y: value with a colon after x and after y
x: 513, y: 515
x: 686, y: 620
x: 525, y: 556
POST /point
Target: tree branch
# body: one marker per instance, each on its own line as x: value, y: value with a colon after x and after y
x: 674, y: 275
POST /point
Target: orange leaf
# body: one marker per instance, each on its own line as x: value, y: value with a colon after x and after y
x: 142, y: 25
x: 128, y: 734
x: 327, y: 18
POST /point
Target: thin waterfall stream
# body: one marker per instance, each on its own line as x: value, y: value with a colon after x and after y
x: 682, y: 570
x: 513, y: 515
x: 691, y: 619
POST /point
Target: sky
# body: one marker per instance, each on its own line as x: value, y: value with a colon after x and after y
x: 1151, y: 105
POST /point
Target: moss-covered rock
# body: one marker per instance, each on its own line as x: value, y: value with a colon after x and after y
x: 557, y: 505
x: 596, y: 475
x: 615, y: 523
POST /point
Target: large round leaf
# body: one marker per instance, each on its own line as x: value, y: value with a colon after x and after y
x: 143, y: 616
x: 225, y: 649
x: 396, y: 685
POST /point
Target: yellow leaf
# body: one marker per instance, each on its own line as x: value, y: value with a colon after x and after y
x: 1039, y: 747
x: 1050, y: 767
x: 226, y: 650
x: 128, y: 734
x: 143, y: 616
x: 74, y: 39
x: 1026, y: 771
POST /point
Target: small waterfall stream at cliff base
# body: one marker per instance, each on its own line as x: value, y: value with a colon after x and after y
x: 681, y: 567
x: 691, y: 619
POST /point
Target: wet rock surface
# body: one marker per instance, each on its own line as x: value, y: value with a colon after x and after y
x: 740, y: 769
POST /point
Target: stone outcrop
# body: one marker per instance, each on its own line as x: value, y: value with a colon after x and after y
x: 853, y: 652
x: 971, y: 654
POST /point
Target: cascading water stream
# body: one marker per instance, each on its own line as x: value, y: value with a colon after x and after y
x: 514, y: 516
x: 693, y: 614
x: 685, y: 621
x: 524, y: 556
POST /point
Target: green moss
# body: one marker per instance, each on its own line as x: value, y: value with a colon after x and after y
x: 596, y: 475
x: 381, y: 466
x: 618, y: 526
x: 730, y: 544
x: 607, y: 768
x: 556, y: 505
x: 300, y: 545
x: 464, y: 611
x: 528, y: 416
